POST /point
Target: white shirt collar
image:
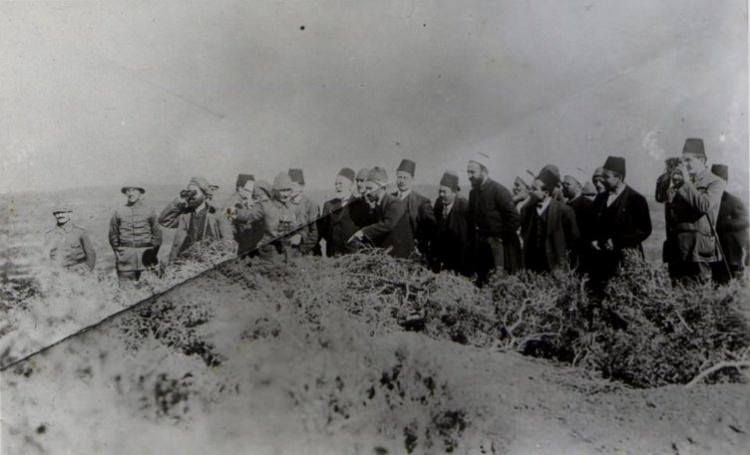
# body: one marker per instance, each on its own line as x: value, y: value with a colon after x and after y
x: 541, y: 208
x: 613, y: 196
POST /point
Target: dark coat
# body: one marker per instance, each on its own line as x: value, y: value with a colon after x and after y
x: 451, y: 244
x: 627, y: 222
x: 421, y: 219
x: 561, y: 234
x: 392, y: 228
x: 582, y: 208
x: 216, y: 228
x: 336, y: 225
x: 732, y: 228
x: 492, y: 214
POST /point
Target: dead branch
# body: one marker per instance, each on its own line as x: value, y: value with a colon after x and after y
x: 715, y: 368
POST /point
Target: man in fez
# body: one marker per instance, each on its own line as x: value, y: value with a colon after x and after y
x: 391, y: 228
x: 548, y: 227
x: 418, y: 207
x: 493, y: 222
x: 336, y: 225
x: 621, y: 222
x: 732, y: 228
x: 450, y: 249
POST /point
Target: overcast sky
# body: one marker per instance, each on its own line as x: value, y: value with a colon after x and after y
x: 95, y: 93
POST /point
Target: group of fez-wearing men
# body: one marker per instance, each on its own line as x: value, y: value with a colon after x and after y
x: 549, y: 224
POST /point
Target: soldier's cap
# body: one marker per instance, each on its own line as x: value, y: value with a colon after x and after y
x: 242, y: 179
x: 348, y: 173
x: 60, y: 209
x: 721, y: 170
x: 521, y: 182
x: 570, y: 180
x: 482, y: 159
x: 407, y: 166
x: 450, y: 180
x: 362, y: 174
x: 297, y: 176
x: 694, y: 145
x: 615, y: 164
x: 282, y: 182
x: 378, y: 175
x: 125, y: 189
x: 588, y: 189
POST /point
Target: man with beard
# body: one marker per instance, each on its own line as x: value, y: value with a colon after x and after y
x: 493, y: 222
x: 391, y: 229
x: 134, y: 235
x: 196, y: 219
x: 621, y: 222
x: 306, y: 212
x: 732, y: 228
x: 694, y: 208
x: 548, y: 227
x: 68, y: 244
x: 450, y: 249
x: 336, y: 225
x: 281, y: 236
x: 360, y: 210
x: 581, y: 206
x: 418, y: 207
x: 521, y: 195
x: 242, y: 198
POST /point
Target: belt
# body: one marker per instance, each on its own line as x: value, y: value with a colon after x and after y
x: 135, y: 245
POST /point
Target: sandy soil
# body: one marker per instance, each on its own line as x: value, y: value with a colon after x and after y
x: 228, y: 365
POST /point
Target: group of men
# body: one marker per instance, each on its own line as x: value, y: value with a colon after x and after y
x: 551, y: 223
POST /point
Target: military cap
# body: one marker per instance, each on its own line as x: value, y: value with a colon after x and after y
x: 204, y: 186
x: 282, y: 182
x: 125, y: 188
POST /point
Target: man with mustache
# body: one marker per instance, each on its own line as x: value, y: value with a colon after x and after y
x: 450, y: 249
x: 68, y: 244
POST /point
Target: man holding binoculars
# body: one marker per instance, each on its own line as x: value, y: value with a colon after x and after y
x: 196, y: 219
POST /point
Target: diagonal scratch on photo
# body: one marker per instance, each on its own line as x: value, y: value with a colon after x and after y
x: 374, y: 227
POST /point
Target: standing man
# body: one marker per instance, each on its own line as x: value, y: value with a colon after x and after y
x: 135, y: 236
x: 360, y: 209
x: 548, y: 227
x: 418, y: 207
x: 242, y: 198
x: 278, y: 220
x: 598, y: 180
x: 694, y: 204
x: 621, y: 222
x: 450, y: 249
x: 581, y: 206
x: 493, y: 222
x: 732, y: 228
x: 391, y: 228
x: 306, y: 212
x: 336, y: 225
x: 196, y: 219
x: 68, y: 244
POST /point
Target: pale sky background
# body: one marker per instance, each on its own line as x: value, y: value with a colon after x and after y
x: 105, y: 93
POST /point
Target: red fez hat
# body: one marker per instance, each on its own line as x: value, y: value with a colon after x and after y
x: 450, y: 179
x: 297, y: 176
x: 722, y: 170
x: 348, y: 173
x: 695, y: 146
x: 615, y: 164
x: 407, y: 166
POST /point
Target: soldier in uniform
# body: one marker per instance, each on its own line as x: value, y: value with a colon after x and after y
x: 336, y: 225
x: 306, y: 212
x: 196, y: 219
x: 68, y: 244
x: 418, y: 207
x: 134, y: 235
x: 450, y: 249
x: 277, y: 216
x: 391, y: 228
x: 493, y: 222
x: 732, y: 228
x: 621, y: 221
x: 548, y: 227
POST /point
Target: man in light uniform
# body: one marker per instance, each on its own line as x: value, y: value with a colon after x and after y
x: 134, y: 235
x: 68, y: 244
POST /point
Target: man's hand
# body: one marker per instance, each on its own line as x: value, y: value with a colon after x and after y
x: 358, y: 236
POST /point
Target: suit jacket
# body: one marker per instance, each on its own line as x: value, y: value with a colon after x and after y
x: 627, y: 221
x: 582, y: 208
x: 392, y: 228
x: 216, y: 228
x: 491, y: 211
x: 421, y: 219
x: 451, y: 244
x: 336, y: 225
x: 561, y: 234
x: 732, y: 228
